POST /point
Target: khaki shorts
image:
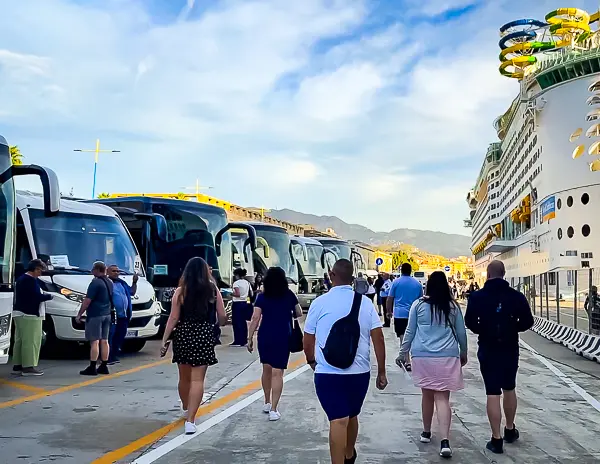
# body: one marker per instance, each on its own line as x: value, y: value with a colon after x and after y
x: 97, y: 328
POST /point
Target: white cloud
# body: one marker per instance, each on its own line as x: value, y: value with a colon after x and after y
x: 344, y: 93
x: 437, y: 7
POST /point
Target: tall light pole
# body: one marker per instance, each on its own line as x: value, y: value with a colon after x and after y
x: 96, y: 152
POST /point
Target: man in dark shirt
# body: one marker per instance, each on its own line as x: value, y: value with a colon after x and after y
x: 98, y: 306
x: 28, y: 316
x: 497, y: 313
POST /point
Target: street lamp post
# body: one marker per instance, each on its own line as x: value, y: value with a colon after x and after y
x: 96, y: 152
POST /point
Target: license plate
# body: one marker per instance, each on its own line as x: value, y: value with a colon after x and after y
x: 131, y: 334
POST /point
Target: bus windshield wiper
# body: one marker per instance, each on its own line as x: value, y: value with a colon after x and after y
x: 72, y: 269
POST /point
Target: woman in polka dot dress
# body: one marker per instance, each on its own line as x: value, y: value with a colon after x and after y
x: 193, y: 309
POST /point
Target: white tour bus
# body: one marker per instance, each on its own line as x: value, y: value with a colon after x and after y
x: 422, y: 277
x: 69, y: 243
x: 51, y: 205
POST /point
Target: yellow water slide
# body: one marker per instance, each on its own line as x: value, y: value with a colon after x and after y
x: 519, y: 41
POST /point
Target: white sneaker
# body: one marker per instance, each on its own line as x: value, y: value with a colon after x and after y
x: 267, y: 408
x: 274, y: 416
x: 190, y: 428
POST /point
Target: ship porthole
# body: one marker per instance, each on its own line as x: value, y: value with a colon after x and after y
x: 575, y: 135
x: 559, y: 203
x: 585, y: 230
x: 579, y: 150
x: 585, y: 198
x: 570, y: 232
x: 559, y: 233
x: 570, y: 201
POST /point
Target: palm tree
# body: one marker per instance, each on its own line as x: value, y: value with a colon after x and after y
x: 16, y: 157
x: 103, y: 195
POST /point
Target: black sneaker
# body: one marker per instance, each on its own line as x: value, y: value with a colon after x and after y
x: 31, y: 372
x: 445, y: 450
x: 90, y: 370
x: 425, y: 437
x: 511, y: 435
x: 352, y: 460
x: 103, y: 369
x: 495, y: 445
x: 17, y: 368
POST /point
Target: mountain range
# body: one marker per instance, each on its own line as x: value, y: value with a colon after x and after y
x: 439, y: 243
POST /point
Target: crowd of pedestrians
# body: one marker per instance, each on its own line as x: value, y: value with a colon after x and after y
x: 339, y: 330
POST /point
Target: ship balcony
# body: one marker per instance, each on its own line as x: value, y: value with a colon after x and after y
x: 498, y: 245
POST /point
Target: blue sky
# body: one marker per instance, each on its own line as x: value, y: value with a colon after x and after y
x: 377, y: 111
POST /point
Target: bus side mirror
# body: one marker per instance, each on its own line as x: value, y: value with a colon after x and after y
x: 49, y: 181
x: 158, y: 222
x: 264, y: 245
x: 150, y: 274
x: 236, y: 225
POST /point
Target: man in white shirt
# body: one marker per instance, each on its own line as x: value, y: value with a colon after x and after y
x: 341, y: 392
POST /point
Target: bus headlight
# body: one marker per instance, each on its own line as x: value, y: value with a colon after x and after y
x: 4, y: 325
x: 71, y: 295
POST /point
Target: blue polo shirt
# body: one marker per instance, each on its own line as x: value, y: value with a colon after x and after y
x: 405, y: 291
x: 120, y: 299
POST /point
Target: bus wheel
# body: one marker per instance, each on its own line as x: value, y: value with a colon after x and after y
x: 133, y: 346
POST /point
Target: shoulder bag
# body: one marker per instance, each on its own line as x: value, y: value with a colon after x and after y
x: 342, y: 343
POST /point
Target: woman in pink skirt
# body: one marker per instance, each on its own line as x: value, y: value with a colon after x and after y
x: 437, y: 340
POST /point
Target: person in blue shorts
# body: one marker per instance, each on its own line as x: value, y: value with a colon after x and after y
x: 342, y: 392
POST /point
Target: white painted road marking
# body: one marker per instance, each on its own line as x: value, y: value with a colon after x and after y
x: 179, y: 440
x: 566, y: 379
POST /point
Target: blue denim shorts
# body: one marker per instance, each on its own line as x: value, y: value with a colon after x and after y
x: 342, y: 395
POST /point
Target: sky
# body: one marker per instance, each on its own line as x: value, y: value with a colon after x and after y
x: 375, y: 111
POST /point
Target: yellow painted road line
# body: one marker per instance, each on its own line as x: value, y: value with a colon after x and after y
x: 153, y: 437
x: 66, y: 388
x: 23, y: 386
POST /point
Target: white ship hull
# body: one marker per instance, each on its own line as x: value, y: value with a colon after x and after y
x: 568, y: 238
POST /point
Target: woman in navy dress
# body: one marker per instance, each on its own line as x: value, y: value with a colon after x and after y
x: 274, y: 310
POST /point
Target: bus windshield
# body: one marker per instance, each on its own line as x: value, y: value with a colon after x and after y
x: 76, y: 241
x: 191, y: 232
x: 341, y: 249
x: 279, y: 251
x: 313, y: 266
x: 7, y: 217
x: 238, y: 242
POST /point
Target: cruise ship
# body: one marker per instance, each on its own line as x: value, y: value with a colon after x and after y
x: 536, y: 200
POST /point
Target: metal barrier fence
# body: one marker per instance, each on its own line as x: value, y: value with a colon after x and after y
x: 564, y: 297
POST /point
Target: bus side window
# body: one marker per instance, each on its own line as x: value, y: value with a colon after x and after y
x: 23, y: 251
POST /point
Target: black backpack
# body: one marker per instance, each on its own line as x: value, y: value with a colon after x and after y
x: 342, y: 342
